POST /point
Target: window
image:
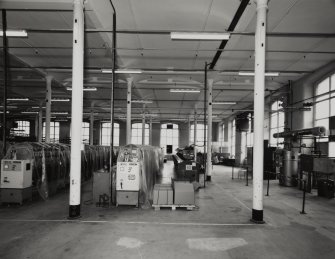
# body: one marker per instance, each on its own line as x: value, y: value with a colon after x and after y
x: 170, y: 136
x: 277, y: 122
x: 85, y: 132
x: 23, y: 128
x: 54, y: 131
x: 105, y: 134
x: 136, y: 134
x: 200, y: 136
x: 324, y: 102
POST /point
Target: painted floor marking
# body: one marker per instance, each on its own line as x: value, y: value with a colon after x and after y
x: 215, y: 244
x: 195, y: 224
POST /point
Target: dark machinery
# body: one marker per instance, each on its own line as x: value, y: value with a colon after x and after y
x: 287, y: 160
x: 185, y: 166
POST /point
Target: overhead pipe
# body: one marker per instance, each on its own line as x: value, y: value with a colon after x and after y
x: 316, y: 131
x: 5, y: 80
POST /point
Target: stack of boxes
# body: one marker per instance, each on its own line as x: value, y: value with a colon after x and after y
x: 181, y: 194
x: 163, y: 194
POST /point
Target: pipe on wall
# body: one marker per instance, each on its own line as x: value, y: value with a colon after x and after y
x: 316, y: 131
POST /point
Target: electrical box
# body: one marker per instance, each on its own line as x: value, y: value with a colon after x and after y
x: 16, y: 181
x: 127, y: 183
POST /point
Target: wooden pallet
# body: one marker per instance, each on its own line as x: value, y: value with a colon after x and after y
x: 173, y: 206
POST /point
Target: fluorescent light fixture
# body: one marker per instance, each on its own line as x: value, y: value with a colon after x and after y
x: 61, y: 120
x: 122, y: 71
x: 151, y: 115
x: 141, y: 101
x: 9, y: 107
x: 89, y: 89
x: 2, y: 112
x: 59, y: 113
x: 184, y: 91
x: 228, y: 103
x: 14, y: 33
x: 37, y: 107
x: 17, y: 99
x: 253, y: 74
x: 29, y: 112
x: 60, y: 99
x: 199, y: 36
x: 89, y: 113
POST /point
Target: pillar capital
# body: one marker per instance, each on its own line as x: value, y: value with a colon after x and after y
x: 210, y: 81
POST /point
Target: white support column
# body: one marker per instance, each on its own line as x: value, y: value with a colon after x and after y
x: 48, y: 108
x: 128, y: 131
x: 91, y: 127
x: 77, y: 107
x: 143, y: 125
x: 150, y: 132
x: 195, y: 133
x: 209, y: 131
x: 40, y: 125
x: 260, y: 36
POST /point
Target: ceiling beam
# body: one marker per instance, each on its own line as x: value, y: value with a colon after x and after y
x: 243, y: 5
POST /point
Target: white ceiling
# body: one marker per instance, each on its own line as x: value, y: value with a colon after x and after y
x: 47, y: 52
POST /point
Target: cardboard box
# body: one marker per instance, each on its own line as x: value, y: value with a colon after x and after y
x: 183, y: 193
x: 163, y: 194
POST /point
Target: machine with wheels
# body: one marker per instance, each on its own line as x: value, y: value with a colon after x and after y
x: 16, y: 181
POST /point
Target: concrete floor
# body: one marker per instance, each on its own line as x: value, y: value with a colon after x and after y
x: 220, y: 228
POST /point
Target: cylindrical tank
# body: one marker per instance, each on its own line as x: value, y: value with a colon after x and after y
x: 289, y: 172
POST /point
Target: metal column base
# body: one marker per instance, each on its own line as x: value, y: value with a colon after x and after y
x: 74, y: 212
x: 257, y: 216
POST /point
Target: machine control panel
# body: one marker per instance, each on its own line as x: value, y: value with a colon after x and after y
x: 128, y: 176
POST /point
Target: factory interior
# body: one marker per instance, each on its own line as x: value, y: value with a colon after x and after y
x: 167, y: 129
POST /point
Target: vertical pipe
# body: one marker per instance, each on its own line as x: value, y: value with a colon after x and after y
x: 129, y: 84
x: 5, y: 80
x: 150, y: 132
x: 205, y: 115
x: 91, y: 127
x: 195, y: 133
x: 209, y: 134
x: 40, y: 125
x: 77, y: 107
x: 257, y: 205
x: 143, y: 126
x: 48, y: 108
x: 189, y: 129
x: 112, y: 93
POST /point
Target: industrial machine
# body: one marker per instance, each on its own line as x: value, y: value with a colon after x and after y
x: 289, y: 170
x: 127, y: 183
x: 268, y: 160
x: 16, y: 181
x: 294, y: 166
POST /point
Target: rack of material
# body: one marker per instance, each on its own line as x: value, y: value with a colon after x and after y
x: 51, y: 163
x: 16, y: 181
